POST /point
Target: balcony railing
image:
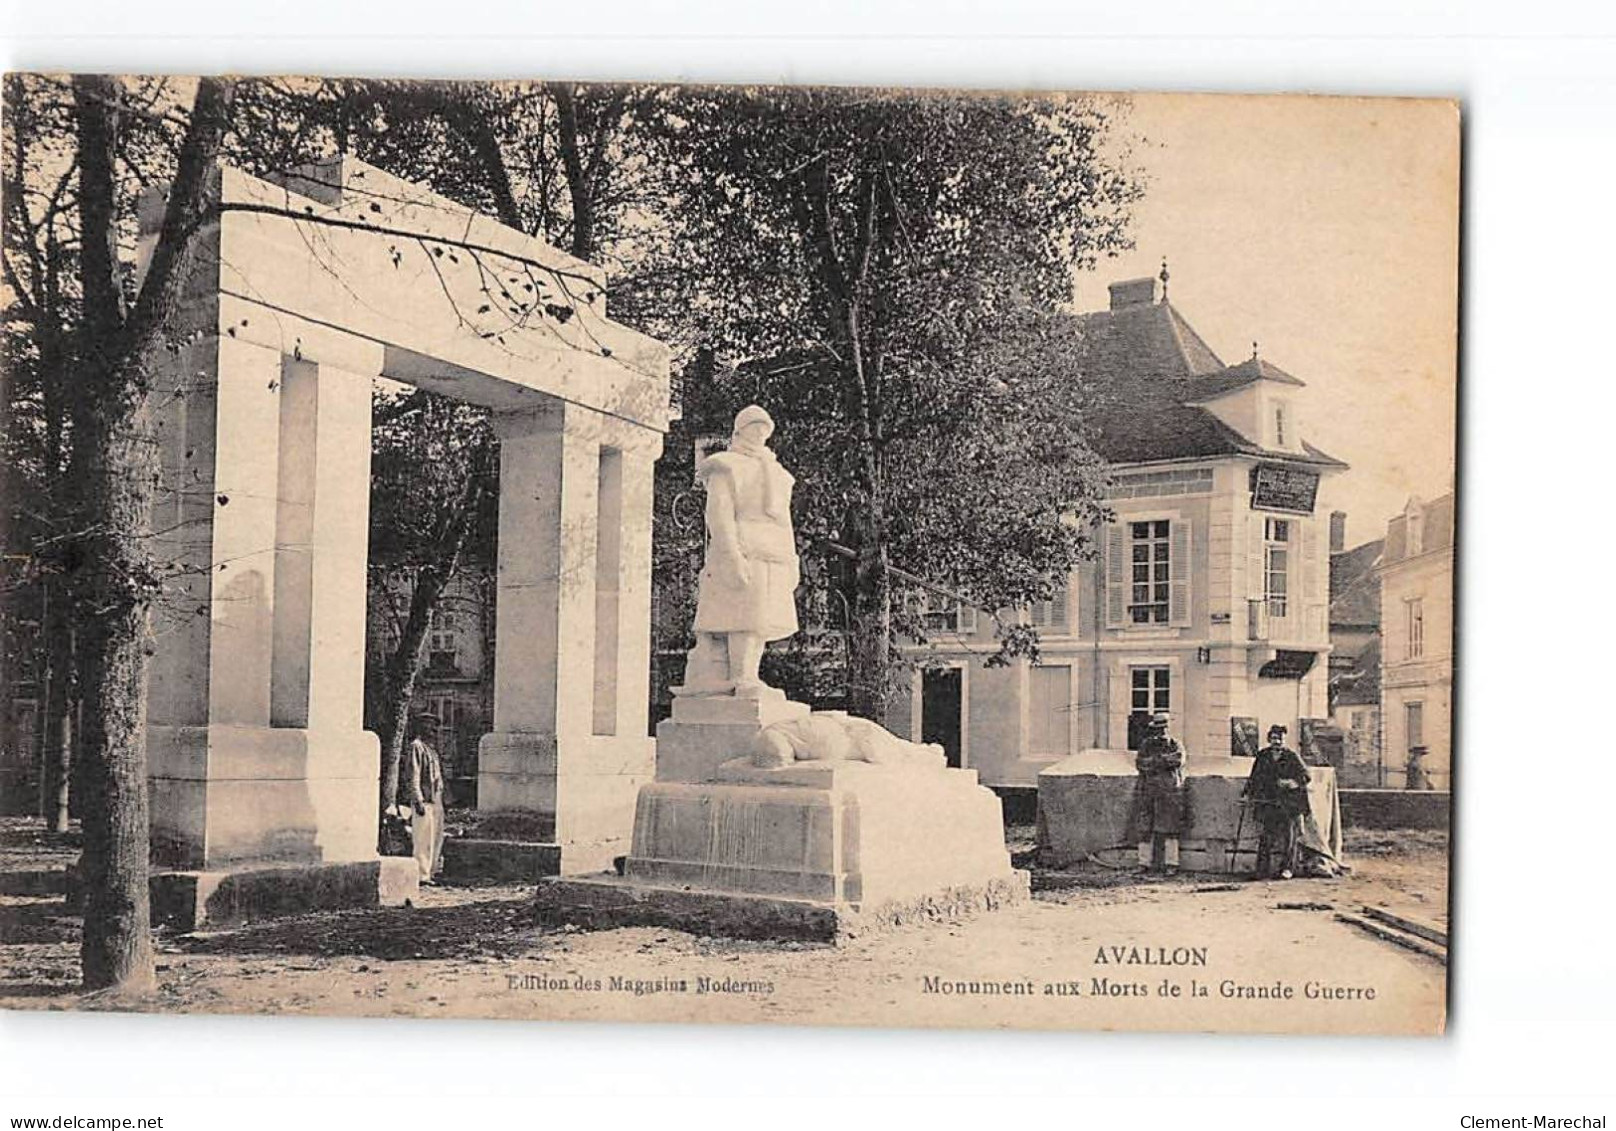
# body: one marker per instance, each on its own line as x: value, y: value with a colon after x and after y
x: 1263, y: 622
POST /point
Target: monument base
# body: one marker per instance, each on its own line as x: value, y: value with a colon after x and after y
x: 1085, y: 806
x: 604, y: 902
x: 189, y: 901
x: 817, y: 850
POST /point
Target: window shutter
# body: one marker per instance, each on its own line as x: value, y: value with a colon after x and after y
x: 967, y: 620
x: 1257, y: 558
x: 1178, y: 609
x: 1057, y: 608
x: 1305, y: 537
x: 1116, y: 575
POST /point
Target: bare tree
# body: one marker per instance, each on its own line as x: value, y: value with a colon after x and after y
x: 114, y: 475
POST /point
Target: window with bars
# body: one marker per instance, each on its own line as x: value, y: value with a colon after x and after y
x: 1276, y: 565
x: 1149, y: 600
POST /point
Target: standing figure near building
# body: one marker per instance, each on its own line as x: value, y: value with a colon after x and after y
x: 1159, y: 802
x: 421, y: 783
x: 1278, y: 788
x: 1414, y: 772
x: 746, y: 594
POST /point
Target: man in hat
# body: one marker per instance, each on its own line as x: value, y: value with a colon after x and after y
x: 1277, y: 788
x: 420, y: 782
x: 1159, y: 807
x: 746, y: 593
x: 1415, y: 774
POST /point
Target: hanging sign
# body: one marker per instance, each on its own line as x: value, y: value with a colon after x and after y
x: 1276, y: 487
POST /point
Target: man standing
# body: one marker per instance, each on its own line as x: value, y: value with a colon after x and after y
x: 421, y: 782
x: 1159, y: 807
x: 1414, y: 773
x: 1278, y: 788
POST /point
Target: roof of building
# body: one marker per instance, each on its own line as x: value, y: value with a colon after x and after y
x: 1148, y: 369
x: 1357, y: 684
x: 1354, y: 587
x: 1436, y: 528
x: 1234, y: 377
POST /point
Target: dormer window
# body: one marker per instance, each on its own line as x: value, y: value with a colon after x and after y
x: 1414, y: 523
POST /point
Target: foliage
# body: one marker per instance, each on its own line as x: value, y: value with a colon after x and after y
x: 893, y: 266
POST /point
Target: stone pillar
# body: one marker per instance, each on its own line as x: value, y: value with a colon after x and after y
x: 572, y: 637
x: 256, y: 752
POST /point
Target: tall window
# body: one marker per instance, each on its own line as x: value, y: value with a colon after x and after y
x: 1149, y: 601
x: 1280, y: 422
x: 1414, y: 645
x: 1276, y: 564
x: 1414, y: 723
x: 441, y: 647
x: 1151, y: 691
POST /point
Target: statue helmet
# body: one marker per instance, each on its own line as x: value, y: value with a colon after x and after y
x: 754, y: 414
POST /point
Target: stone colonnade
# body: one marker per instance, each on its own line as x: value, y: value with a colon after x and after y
x: 572, y: 644
x: 264, y: 782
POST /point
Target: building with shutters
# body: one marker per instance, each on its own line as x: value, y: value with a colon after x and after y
x: 1210, y: 596
x: 1416, y: 670
x: 455, y: 682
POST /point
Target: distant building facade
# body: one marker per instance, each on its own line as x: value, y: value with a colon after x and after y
x: 1416, y: 601
x: 1355, y: 660
x: 1209, y: 599
x: 456, y: 679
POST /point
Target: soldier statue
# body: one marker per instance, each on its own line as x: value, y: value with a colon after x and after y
x: 746, y: 593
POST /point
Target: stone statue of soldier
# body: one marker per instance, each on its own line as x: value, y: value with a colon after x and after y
x: 746, y: 593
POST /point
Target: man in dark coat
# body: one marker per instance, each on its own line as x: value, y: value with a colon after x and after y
x: 1159, y: 804
x: 1277, y: 788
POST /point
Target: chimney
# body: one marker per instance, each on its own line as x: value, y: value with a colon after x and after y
x: 1133, y: 292
x: 1338, y: 531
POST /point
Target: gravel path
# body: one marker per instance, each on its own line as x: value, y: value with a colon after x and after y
x: 475, y: 952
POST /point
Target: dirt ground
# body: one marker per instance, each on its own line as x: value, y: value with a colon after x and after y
x: 1093, y: 949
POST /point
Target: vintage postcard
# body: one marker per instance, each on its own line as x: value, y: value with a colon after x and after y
x: 783, y: 554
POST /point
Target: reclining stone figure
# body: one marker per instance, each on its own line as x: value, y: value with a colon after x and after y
x: 835, y: 736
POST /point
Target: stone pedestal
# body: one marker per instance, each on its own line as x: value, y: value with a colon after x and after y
x: 706, y: 731
x: 814, y: 850
x: 1085, y: 803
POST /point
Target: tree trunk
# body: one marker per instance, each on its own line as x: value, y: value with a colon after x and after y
x: 403, y: 670
x: 56, y: 726
x: 113, y: 478
x: 117, y: 949
x: 404, y: 667
x: 583, y: 201
x: 869, y: 675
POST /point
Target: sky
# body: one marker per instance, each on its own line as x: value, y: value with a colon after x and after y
x: 1325, y: 230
